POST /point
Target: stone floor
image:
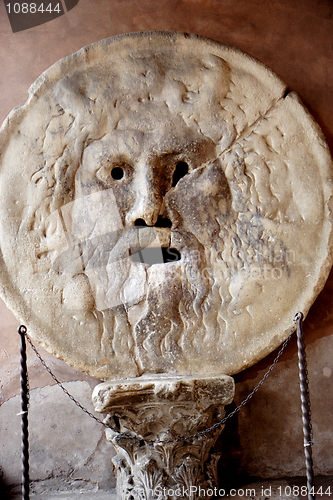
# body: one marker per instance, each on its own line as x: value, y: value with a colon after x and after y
x: 281, y: 489
x: 71, y: 496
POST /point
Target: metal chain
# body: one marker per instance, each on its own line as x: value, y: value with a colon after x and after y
x: 240, y: 406
x: 61, y: 385
x: 184, y: 438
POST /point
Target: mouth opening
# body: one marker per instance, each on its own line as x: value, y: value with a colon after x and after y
x: 161, y: 222
x: 156, y: 255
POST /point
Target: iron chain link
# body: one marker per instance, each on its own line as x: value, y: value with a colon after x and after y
x: 61, y: 385
x: 180, y: 439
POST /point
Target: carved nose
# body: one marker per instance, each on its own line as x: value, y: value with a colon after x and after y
x: 147, y: 206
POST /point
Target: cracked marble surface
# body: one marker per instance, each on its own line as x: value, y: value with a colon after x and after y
x: 211, y: 158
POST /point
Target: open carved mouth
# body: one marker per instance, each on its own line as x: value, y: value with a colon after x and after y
x: 156, y: 255
x: 144, y: 244
x: 160, y: 254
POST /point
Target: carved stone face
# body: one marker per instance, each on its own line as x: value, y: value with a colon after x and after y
x: 143, y: 174
x: 159, y: 215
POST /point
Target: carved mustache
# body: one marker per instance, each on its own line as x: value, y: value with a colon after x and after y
x: 145, y: 245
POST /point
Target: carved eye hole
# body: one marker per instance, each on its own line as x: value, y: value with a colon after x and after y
x: 117, y: 173
x: 180, y: 171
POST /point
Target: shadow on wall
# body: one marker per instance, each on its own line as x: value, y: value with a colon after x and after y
x: 228, y: 444
x: 4, y: 488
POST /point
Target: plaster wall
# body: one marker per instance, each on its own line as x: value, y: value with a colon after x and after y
x: 68, y: 450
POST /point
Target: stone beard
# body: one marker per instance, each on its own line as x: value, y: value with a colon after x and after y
x: 157, y: 160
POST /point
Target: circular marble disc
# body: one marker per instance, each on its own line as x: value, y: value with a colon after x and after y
x: 164, y: 208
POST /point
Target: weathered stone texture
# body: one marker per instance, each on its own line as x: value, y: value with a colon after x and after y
x: 294, y: 38
x: 134, y: 146
x: 68, y: 450
x: 147, y: 415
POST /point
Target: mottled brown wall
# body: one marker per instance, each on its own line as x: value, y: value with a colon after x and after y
x: 294, y: 38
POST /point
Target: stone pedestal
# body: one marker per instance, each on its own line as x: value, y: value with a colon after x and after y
x: 146, y: 416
